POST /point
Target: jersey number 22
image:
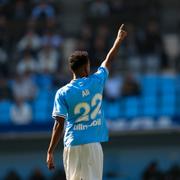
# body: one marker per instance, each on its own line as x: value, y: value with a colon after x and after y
x: 95, y: 102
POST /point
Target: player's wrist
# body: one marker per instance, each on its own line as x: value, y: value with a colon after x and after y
x: 50, y: 151
x: 118, y: 41
x: 119, y: 38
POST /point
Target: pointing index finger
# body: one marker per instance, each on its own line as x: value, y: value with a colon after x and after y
x: 121, y: 28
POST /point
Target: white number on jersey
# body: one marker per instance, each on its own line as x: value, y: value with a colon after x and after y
x: 77, y: 110
x: 95, y: 102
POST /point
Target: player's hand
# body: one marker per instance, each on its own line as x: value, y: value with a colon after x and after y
x: 50, y: 161
x: 122, y: 33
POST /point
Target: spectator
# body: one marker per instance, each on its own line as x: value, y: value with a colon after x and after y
x: 99, y: 8
x: 43, y: 8
x: 152, y: 172
x: 5, y: 90
x: 130, y: 86
x: 150, y: 41
x: 153, y: 38
x: 20, y: 112
x: 171, y: 43
x: 30, y: 40
x: 48, y: 59
x: 113, y: 87
x: 27, y: 63
x: 52, y: 39
x: 37, y: 175
x: 24, y: 87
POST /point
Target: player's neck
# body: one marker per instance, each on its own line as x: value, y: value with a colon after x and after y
x: 77, y: 76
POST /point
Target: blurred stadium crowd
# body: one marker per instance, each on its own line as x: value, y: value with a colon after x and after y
x: 151, y: 172
x: 35, y: 175
x: 143, y: 90
x: 144, y: 83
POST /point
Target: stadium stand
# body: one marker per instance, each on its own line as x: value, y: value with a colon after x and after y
x: 37, y: 36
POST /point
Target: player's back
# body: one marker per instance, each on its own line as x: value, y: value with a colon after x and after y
x: 81, y: 94
x: 82, y: 101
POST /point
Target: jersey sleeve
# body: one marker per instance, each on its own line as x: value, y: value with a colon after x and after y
x: 102, y: 74
x: 60, y: 108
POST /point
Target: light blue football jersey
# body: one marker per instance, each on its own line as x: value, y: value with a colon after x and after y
x: 80, y: 103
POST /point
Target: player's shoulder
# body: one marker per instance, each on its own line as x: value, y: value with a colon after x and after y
x: 101, y: 70
x: 63, y: 90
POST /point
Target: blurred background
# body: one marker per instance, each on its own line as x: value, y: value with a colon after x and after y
x: 141, y: 97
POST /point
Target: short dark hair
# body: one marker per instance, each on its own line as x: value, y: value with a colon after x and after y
x: 78, y: 59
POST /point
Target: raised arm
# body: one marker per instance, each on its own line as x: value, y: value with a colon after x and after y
x: 114, y: 50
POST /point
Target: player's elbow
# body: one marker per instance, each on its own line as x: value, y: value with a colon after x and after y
x: 106, y: 64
